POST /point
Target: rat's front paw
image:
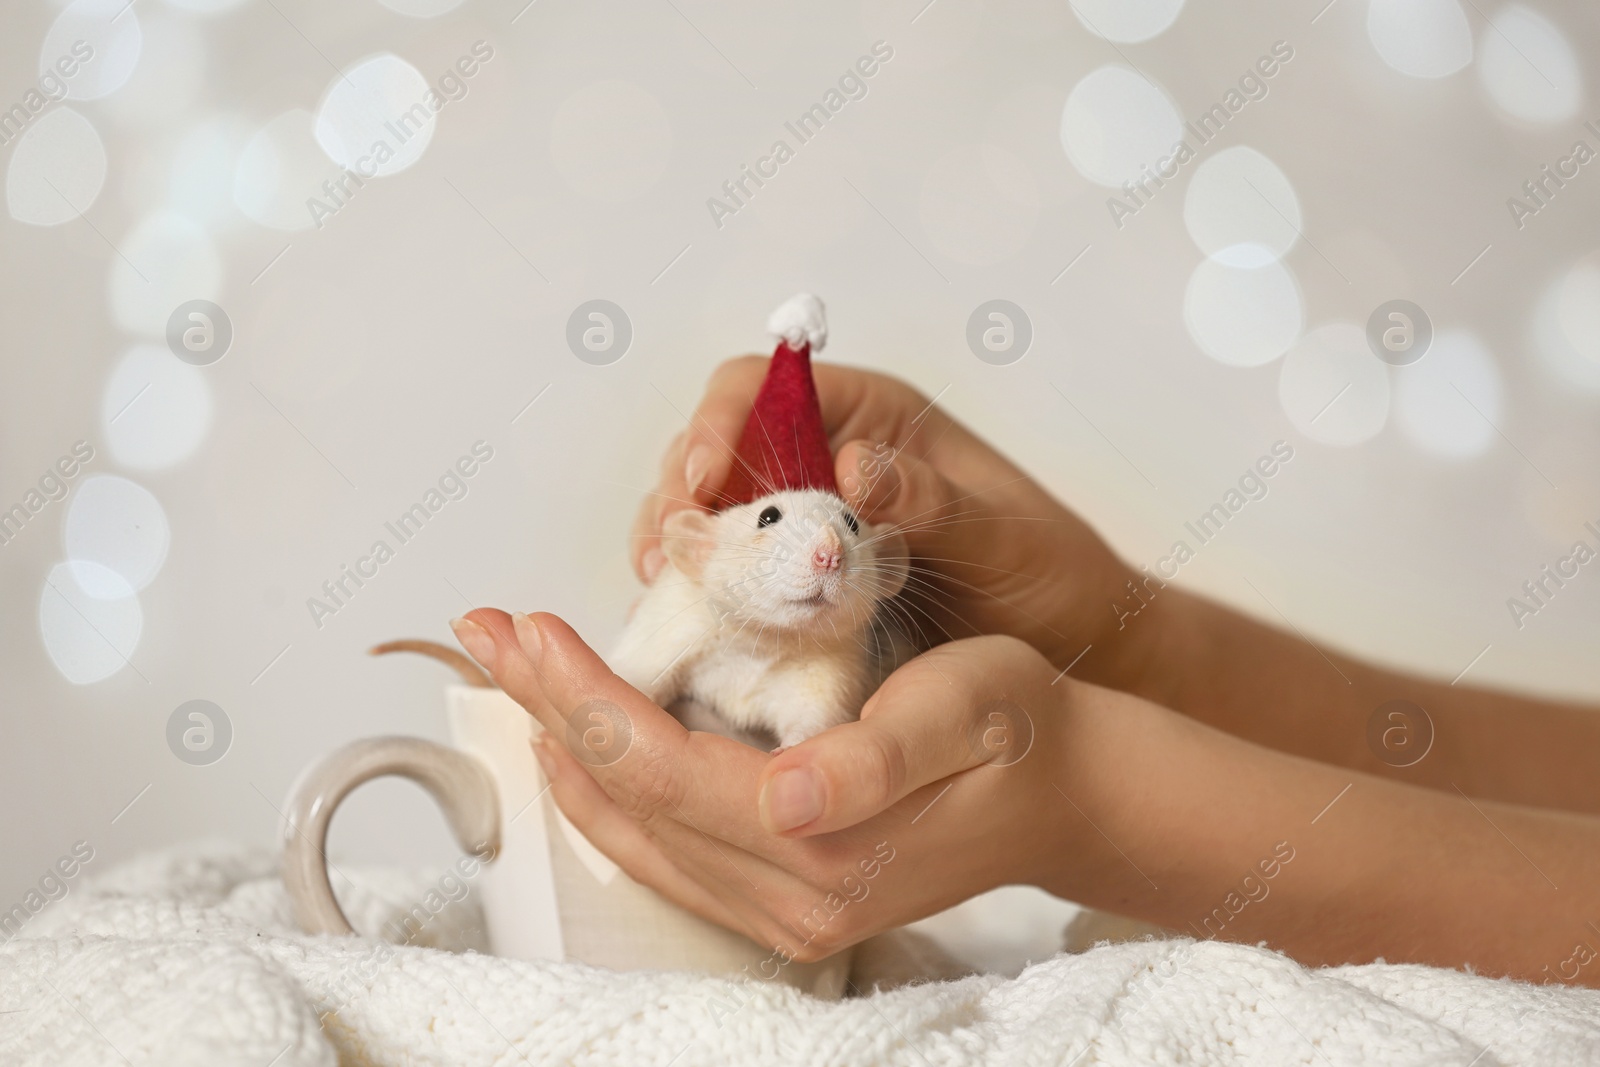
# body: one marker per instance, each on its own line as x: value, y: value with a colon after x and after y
x: 791, y: 738
x: 791, y: 734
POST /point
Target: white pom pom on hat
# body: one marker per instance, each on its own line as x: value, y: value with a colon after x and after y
x: 800, y: 320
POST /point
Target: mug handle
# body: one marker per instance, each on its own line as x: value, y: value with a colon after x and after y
x: 460, y: 784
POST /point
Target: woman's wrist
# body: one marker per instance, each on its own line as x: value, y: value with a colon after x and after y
x: 1146, y: 637
x: 1052, y: 842
x: 1130, y: 805
x: 1080, y: 782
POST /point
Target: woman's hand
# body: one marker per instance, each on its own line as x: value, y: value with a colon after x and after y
x: 992, y: 551
x: 1117, y: 803
x: 941, y: 791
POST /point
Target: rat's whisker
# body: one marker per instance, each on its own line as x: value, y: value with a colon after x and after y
x: 909, y: 606
x: 985, y: 567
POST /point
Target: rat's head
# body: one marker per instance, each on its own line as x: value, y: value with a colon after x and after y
x: 793, y: 559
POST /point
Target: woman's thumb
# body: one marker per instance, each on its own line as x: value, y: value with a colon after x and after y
x: 918, y: 728
x: 892, y: 487
x: 836, y: 779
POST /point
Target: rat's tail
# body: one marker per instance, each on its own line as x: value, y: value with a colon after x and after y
x: 471, y: 674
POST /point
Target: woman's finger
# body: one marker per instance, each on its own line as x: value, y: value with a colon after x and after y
x: 641, y: 756
x: 653, y: 771
x: 599, y: 819
x: 629, y: 751
x: 936, y: 716
x: 489, y: 638
x: 695, y: 467
x: 860, y: 404
x: 897, y: 488
x: 855, y: 404
x: 716, y: 880
x: 644, y: 543
x: 656, y: 772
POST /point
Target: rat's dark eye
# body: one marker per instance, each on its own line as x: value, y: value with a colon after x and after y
x: 768, y: 516
x: 850, y: 521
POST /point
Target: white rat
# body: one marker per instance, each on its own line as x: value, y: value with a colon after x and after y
x: 774, y: 614
x: 771, y: 615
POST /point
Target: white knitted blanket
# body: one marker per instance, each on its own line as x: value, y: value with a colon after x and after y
x: 190, y: 957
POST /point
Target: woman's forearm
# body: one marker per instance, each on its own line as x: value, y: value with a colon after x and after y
x: 1275, y: 688
x: 1215, y: 837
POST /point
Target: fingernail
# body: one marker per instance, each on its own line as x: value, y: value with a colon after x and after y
x: 697, y: 466
x: 653, y: 561
x: 478, y: 642
x: 888, y: 479
x: 541, y: 753
x: 528, y: 635
x: 791, y: 799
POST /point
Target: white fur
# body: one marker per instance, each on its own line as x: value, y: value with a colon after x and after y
x: 741, y: 623
x: 800, y: 319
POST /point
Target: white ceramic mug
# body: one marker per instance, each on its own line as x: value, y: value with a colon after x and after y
x: 548, y: 893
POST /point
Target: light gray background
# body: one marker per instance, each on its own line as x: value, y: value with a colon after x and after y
x: 372, y: 352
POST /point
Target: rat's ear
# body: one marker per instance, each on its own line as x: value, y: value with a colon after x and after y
x: 893, y: 561
x: 686, y: 540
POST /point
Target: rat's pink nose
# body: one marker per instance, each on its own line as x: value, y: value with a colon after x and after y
x: 828, y: 552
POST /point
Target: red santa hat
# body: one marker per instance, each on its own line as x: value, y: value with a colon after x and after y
x: 784, y: 444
